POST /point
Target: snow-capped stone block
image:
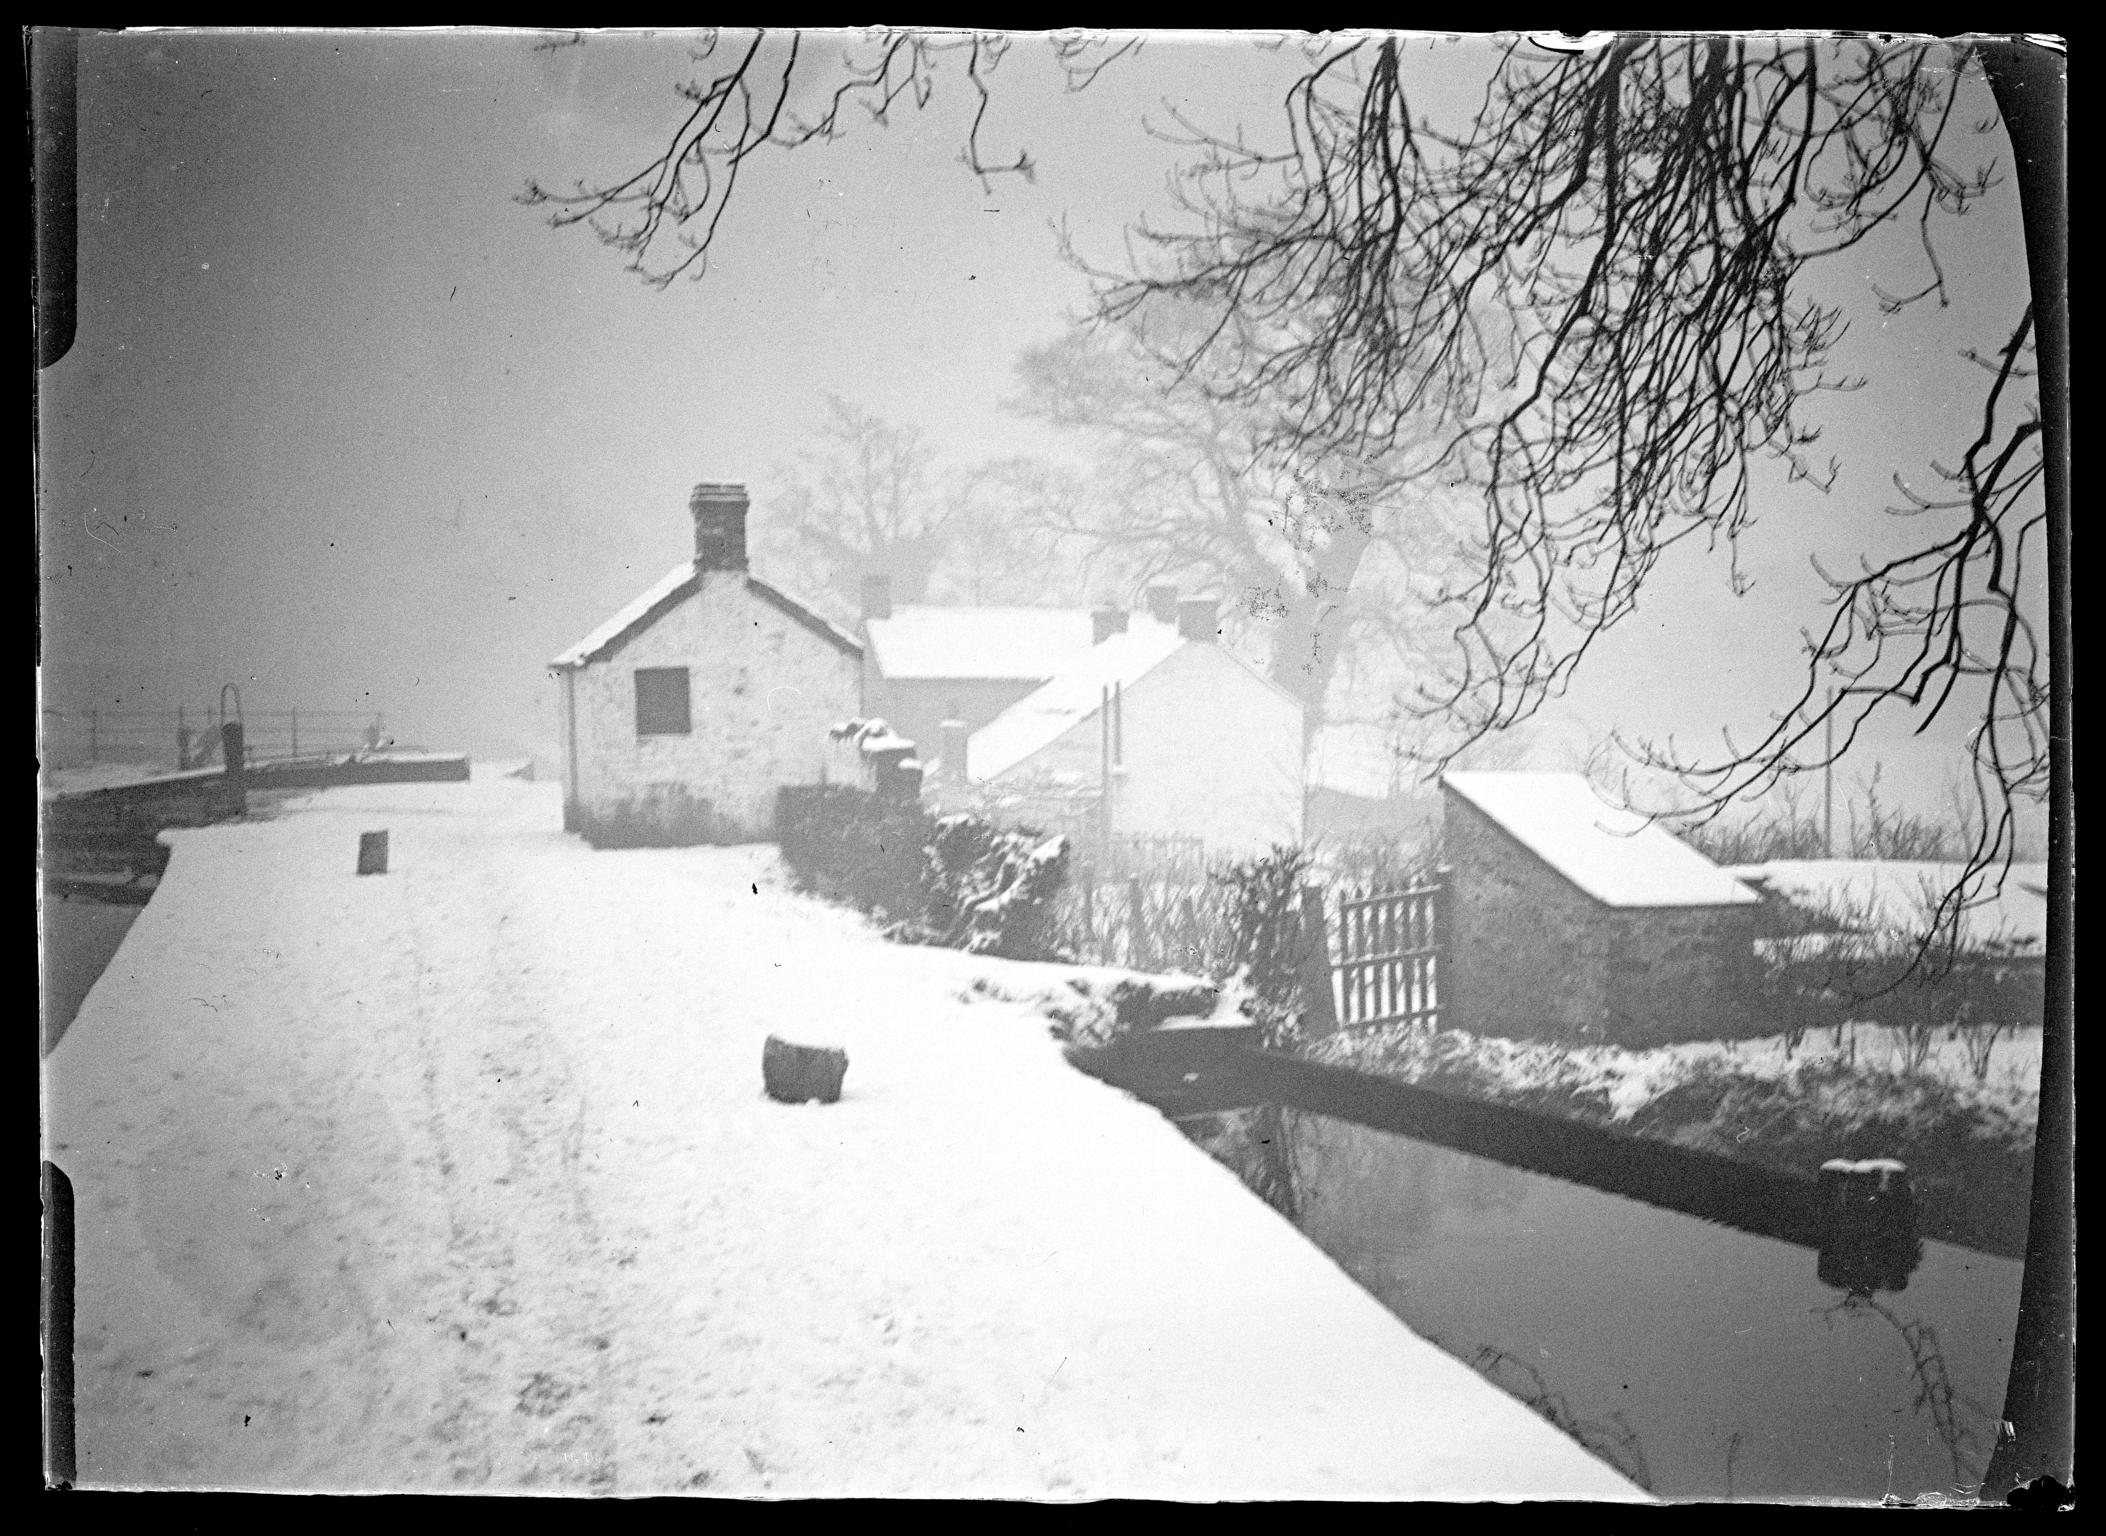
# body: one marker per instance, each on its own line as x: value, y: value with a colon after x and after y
x: 793, y: 1074
x: 1869, y: 1236
x: 372, y: 853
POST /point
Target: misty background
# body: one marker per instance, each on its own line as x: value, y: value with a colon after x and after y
x: 347, y: 425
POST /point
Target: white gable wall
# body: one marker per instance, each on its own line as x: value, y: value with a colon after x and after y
x: 1211, y: 751
x: 762, y: 691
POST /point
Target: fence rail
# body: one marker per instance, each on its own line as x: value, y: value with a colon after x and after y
x: 186, y: 738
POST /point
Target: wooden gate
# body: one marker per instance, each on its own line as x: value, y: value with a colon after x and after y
x: 1387, y: 969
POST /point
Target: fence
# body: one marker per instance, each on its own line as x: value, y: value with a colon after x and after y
x: 1387, y: 957
x: 184, y: 738
x: 1382, y: 951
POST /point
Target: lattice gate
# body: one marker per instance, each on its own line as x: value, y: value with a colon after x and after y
x: 1389, y: 947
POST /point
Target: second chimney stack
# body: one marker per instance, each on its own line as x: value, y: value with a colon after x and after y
x: 1196, y: 620
x: 1162, y: 602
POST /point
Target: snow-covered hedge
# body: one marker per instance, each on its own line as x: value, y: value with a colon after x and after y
x: 959, y: 881
x: 991, y: 891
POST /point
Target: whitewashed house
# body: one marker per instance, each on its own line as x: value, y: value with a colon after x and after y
x: 684, y: 713
x: 924, y: 664
x: 1155, y: 731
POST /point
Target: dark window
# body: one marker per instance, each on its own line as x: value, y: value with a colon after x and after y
x: 661, y: 701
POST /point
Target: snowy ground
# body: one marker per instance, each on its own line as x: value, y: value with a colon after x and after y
x: 461, y: 1178
x: 1628, y: 1080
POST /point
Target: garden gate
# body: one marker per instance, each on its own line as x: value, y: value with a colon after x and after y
x: 1387, y: 969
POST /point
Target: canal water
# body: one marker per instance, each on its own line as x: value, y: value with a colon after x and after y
x: 1705, y: 1362
x: 80, y: 939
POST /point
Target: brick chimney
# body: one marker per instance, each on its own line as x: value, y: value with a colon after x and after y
x: 877, y: 596
x: 1106, y: 622
x: 954, y: 734
x: 1196, y: 621
x: 1162, y: 602
x: 720, y: 526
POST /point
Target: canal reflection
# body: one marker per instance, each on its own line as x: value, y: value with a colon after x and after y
x: 1703, y: 1361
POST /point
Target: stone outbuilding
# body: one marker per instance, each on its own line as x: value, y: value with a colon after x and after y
x: 1571, y: 919
x: 684, y: 713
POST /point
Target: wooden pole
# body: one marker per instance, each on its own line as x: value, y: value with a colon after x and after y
x: 1319, y: 1008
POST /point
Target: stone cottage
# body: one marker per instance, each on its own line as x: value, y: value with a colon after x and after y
x: 686, y: 711
x: 1571, y: 919
x: 1155, y: 731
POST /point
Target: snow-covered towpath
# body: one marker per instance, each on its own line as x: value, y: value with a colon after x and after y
x: 461, y: 1177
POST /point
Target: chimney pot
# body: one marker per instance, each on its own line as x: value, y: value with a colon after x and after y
x: 1162, y: 602
x: 877, y: 596
x: 719, y: 511
x: 1196, y: 621
x: 1106, y: 622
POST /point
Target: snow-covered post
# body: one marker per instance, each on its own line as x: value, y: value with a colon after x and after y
x: 1137, y: 946
x: 1869, y: 1240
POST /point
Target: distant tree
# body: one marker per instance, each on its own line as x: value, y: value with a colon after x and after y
x: 1007, y: 544
x: 871, y: 497
x: 865, y: 497
x: 1330, y: 565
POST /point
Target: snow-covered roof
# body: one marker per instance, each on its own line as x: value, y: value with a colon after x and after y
x: 1015, y: 643
x: 825, y: 628
x: 1617, y: 857
x: 1900, y: 895
x: 672, y: 588
x: 1070, y: 697
x: 666, y: 589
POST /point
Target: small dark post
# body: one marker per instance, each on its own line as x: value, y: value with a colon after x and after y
x: 794, y: 1073
x: 1319, y: 1011
x: 372, y: 853
x: 233, y: 751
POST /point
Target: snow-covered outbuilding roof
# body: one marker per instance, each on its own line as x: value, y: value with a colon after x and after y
x: 997, y: 643
x: 1071, y: 696
x: 1617, y: 857
x: 667, y: 593
x: 1899, y: 896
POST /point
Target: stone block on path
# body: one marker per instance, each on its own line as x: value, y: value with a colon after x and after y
x: 794, y: 1073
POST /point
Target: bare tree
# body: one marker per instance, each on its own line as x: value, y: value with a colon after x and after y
x: 1639, y: 218
x: 865, y: 498
x: 1332, y: 563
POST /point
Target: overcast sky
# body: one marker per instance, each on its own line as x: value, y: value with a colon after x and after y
x: 346, y: 424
